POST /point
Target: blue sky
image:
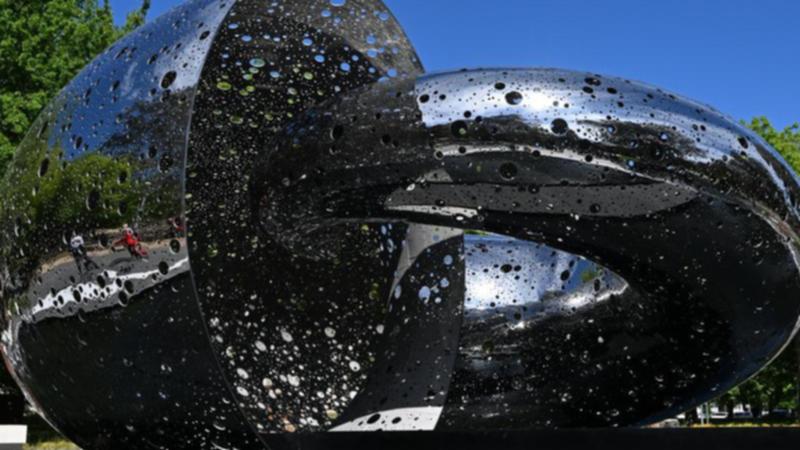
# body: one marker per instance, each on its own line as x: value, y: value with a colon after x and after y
x: 741, y: 56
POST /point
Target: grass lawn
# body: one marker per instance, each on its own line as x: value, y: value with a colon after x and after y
x: 52, y: 445
x: 42, y: 437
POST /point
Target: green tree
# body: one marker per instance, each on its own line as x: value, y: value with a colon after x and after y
x: 774, y: 387
x: 43, y: 45
x: 787, y: 141
x: 778, y: 385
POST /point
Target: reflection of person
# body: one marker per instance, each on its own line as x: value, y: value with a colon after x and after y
x: 130, y: 240
x: 78, y: 250
x: 177, y: 226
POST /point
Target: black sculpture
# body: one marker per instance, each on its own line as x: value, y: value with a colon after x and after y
x: 255, y: 218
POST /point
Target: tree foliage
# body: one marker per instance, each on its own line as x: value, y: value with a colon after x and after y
x: 778, y: 385
x: 787, y: 141
x: 43, y: 45
x: 774, y: 387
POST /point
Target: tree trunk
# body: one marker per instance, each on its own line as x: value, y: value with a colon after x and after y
x: 729, y: 405
x: 692, y: 417
x: 756, y: 409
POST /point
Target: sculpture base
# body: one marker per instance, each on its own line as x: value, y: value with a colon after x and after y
x: 598, y: 439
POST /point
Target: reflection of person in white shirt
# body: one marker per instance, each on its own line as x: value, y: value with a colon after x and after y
x: 82, y: 260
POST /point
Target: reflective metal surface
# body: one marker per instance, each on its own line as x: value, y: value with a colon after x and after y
x: 290, y: 333
x: 104, y: 335
x: 688, y: 219
x: 101, y: 321
x: 252, y: 219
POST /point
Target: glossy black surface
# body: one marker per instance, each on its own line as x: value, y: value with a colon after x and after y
x: 691, y: 220
x: 111, y: 349
x: 250, y: 219
x: 289, y: 331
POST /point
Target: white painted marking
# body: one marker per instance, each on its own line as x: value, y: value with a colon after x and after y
x: 402, y: 419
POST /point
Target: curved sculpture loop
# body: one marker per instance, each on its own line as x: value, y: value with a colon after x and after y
x: 250, y: 219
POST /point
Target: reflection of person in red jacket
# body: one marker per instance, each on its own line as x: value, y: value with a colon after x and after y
x: 130, y: 240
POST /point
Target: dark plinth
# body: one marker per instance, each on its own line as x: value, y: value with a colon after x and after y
x: 612, y: 439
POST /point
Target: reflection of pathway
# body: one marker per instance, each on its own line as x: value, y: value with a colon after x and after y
x: 64, y: 291
x: 97, y: 253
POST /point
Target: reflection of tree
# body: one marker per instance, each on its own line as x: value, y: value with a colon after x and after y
x: 155, y: 132
x: 91, y: 192
x: 134, y: 175
x: 48, y: 199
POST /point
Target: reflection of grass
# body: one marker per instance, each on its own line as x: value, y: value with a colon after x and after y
x: 476, y: 232
x: 590, y: 275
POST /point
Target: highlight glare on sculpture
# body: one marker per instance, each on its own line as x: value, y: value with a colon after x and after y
x: 252, y: 217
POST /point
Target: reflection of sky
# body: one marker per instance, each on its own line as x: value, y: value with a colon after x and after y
x: 95, y: 121
x: 504, y: 272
